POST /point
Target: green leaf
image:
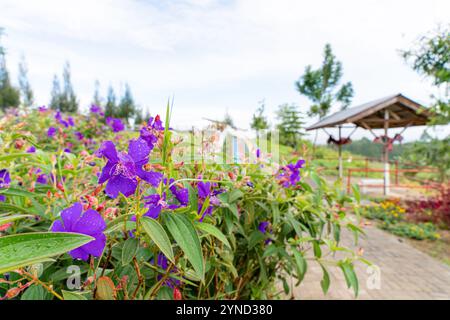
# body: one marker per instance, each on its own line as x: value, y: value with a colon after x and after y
x: 6, y: 219
x: 300, y: 263
x: 72, y: 295
x: 129, y: 250
x: 21, y: 250
x: 350, y: 276
x: 20, y: 193
x: 14, y: 156
x: 159, y: 236
x: 316, y: 249
x: 212, y: 230
x: 34, y: 292
x: 183, y: 231
x: 234, y: 195
x: 325, y: 282
x: 13, y: 207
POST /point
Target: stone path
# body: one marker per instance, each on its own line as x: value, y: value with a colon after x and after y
x: 404, y: 272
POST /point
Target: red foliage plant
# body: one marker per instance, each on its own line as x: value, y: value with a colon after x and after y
x: 433, y: 209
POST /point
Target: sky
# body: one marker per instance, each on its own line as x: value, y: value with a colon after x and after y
x: 219, y: 56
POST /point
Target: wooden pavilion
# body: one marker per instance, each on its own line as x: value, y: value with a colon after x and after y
x: 395, y: 111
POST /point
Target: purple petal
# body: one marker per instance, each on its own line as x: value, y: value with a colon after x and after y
x: 90, y: 223
x: 2, y: 198
x: 204, y: 189
x: 108, y: 150
x: 154, y: 178
x: 120, y: 184
x: 95, y: 247
x: 79, y: 254
x: 138, y: 150
x: 106, y: 172
x: 153, y: 212
x: 57, y: 226
x: 71, y: 215
x: 5, y: 178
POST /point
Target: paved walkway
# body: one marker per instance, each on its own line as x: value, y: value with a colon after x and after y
x: 404, y: 272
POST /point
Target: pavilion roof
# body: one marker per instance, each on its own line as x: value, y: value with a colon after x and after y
x: 403, y: 112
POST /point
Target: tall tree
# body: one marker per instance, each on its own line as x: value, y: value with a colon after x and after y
x: 127, y: 108
x: 69, y: 101
x: 24, y: 84
x: 65, y: 99
x: 259, y: 120
x: 430, y: 57
x: 290, y: 124
x: 228, y: 120
x: 9, y: 95
x: 97, y: 99
x: 111, y: 107
x: 55, y: 99
x: 321, y: 86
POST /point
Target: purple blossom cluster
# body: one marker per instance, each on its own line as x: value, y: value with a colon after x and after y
x: 116, y: 124
x: 289, y: 175
x: 206, y: 190
x: 123, y: 169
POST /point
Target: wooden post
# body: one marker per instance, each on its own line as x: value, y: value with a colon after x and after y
x: 386, y: 153
x: 341, y: 172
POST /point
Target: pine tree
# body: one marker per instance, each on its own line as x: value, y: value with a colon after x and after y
x: 25, y: 88
x: 9, y: 95
x: 259, y: 121
x: 110, y: 107
x: 127, y: 108
x: 228, y: 120
x: 320, y: 85
x: 55, y: 99
x: 96, y: 99
x: 69, y: 102
x: 290, y: 124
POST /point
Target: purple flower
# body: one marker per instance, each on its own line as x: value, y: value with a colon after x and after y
x: 205, y: 190
x: 95, y: 109
x: 289, y: 175
x: 89, y: 223
x: 60, y: 119
x: 258, y: 153
x: 5, y: 180
x: 122, y: 169
x: 51, y: 132
x: 115, y: 124
x: 67, y: 150
x: 42, y: 109
x: 155, y: 203
x: 79, y: 135
x: 152, y: 131
x: 262, y: 227
x: 71, y: 121
x: 42, y: 179
x: 31, y: 149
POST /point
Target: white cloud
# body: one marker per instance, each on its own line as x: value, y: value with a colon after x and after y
x: 217, y: 54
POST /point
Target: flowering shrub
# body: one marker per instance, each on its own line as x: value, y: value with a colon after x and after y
x: 420, y: 231
x: 434, y: 209
x: 389, y: 211
x: 81, y: 218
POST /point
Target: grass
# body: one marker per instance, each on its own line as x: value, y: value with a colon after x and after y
x: 439, y: 249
